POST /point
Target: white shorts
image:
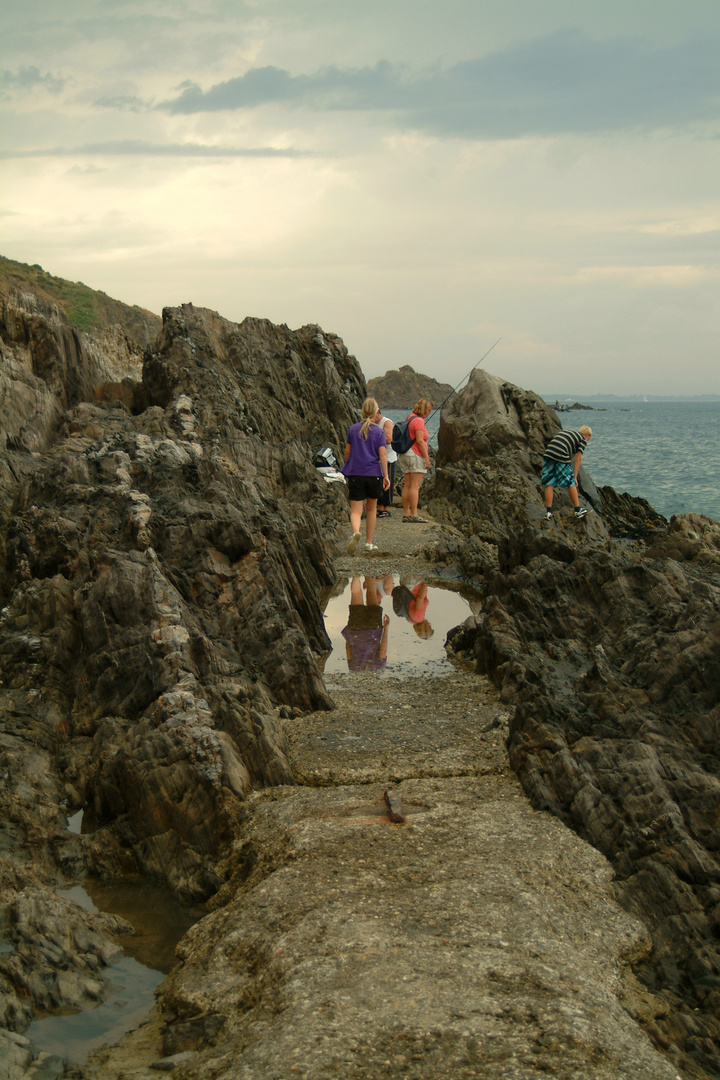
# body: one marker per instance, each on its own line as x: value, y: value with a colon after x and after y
x: 410, y: 462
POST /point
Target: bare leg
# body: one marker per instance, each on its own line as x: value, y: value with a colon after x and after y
x: 416, y: 480
x: 356, y: 509
x: 370, y: 519
x: 549, y: 492
x: 372, y: 597
x: 356, y: 593
x: 406, y: 495
x: 572, y: 492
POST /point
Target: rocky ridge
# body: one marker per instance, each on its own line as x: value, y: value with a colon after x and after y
x: 609, y: 650
x: 164, y: 539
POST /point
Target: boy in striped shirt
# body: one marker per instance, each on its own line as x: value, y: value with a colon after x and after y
x: 561, y: 463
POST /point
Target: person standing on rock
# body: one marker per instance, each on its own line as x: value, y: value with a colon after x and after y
x: 366, y: 471
x: 416, y: 461
x: 385, y: 500
x: 560, y: 467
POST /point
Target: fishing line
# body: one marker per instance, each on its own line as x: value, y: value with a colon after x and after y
x: 463, y: 379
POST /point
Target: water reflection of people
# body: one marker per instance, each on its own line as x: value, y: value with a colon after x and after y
x: 412, y: 604
x: 366, y: 634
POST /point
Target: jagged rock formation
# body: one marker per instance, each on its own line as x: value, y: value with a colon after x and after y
x: 163, y: 540
x: 401, y: 389
x: 610, y: 652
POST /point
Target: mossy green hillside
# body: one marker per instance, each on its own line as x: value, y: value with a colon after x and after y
x: 85, y: 308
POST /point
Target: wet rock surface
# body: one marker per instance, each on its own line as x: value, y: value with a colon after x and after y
x: 479, y: 938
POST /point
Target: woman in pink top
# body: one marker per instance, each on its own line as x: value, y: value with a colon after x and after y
x: 416, y: 461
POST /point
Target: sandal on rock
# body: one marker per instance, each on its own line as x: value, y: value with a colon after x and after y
x: 416, y: 520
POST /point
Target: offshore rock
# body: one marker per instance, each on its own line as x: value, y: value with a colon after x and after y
x: 610, y: 652
x: 401, y: 389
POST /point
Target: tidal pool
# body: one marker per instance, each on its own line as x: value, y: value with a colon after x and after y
x: 159, y: 921
x: 392, y: 625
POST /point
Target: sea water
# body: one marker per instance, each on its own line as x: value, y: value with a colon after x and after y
x: 667, y: 452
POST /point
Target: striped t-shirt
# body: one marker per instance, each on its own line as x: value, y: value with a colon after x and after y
x: 565, y: 445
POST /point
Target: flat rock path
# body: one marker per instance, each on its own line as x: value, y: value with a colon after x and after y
x: 478, y: 938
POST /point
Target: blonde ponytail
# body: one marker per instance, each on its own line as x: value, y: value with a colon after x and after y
x: 369, y: 411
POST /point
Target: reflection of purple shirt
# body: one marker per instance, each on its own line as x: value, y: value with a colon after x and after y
x: 365, y: 649
x: 364, y: 459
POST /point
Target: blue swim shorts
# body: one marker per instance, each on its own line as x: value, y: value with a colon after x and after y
x: 557, y: 473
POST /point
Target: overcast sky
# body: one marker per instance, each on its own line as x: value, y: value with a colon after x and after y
x: 420, y: 177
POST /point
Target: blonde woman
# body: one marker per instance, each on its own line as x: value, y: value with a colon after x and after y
x: 366, y: 471
x: 416, y: 461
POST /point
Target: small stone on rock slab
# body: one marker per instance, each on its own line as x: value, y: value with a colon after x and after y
x: 394, y: 805
x: 167, y: 1064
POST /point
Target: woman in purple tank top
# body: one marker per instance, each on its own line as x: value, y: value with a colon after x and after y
x: 366, y: 472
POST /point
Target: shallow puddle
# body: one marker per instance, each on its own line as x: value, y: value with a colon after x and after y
x: 392, y: 626
x: 159, y: 921
x: 75, y: 1035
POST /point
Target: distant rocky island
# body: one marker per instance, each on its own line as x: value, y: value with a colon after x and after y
x: 562, y: 407
x: 401, y: 389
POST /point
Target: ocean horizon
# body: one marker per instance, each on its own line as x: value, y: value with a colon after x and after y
x: 664, y: 451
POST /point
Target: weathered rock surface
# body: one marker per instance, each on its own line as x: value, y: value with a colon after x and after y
x: 477, y: 939
x: 401, y: 389
x: 610, y: 651
x: 163, y: 541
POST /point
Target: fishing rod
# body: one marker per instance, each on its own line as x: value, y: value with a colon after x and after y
x: 463, y: 379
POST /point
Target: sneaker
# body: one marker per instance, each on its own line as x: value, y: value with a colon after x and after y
x: 581, y: 512
x: 352, y: 546
x: 548, y: 515
x: 371, y: 547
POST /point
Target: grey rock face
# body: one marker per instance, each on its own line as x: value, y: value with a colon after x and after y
x: 163, y: 541
x: 490, y: 446
x: 610, y: 651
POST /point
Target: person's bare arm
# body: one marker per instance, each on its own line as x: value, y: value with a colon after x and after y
x: 382, y: 454
x: 422, y: 447
x: 388, y: 429
x: 576, y: 464
x: 347, y: 450
x: 382, y: 651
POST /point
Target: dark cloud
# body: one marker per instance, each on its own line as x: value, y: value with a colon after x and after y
x: 136, y: 147
x: 29, y: 78
x: 567, y: 82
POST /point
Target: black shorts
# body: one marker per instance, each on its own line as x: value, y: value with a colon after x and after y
x: 364, y: 487
x: 365, y: 618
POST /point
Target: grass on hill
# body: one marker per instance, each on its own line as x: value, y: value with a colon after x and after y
x: 85, y: 308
